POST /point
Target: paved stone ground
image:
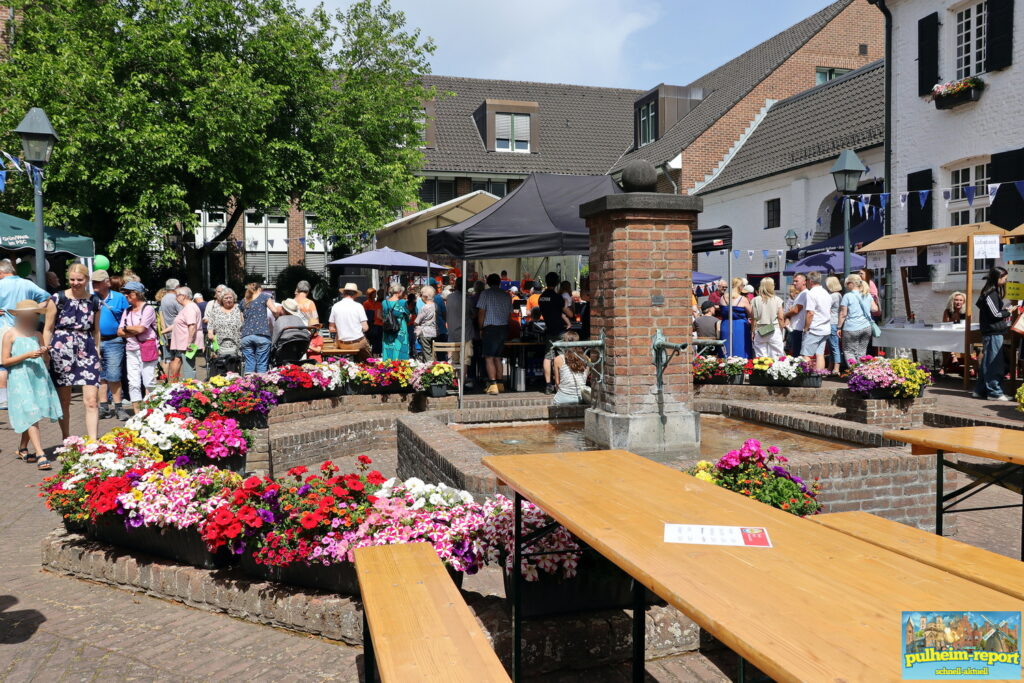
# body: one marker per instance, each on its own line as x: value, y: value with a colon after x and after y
x: 55, y: 628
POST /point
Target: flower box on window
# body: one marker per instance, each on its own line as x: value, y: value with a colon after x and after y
x: 955, y: 93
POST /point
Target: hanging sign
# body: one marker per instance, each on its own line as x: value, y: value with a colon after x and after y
x: 986, y: 246
x: 938, y: 254
x: 905, y: 258
x: 1015, y: 283
x: 876, y: 260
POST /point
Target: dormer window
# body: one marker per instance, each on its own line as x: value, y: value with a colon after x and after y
x: 511, y: 132
x: 647, y: 123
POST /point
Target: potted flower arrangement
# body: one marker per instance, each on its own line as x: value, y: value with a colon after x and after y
x: 557, y: 583
x: 715, y: 370
x: 880, y: 377
x: 1020, y: 398
x: 787, y: 371
x: 954, y: 93
x: 377, y: 376
x: 760, y: 473
x: 186, y: 440
x: 309, y: 381
x: 434, y: 379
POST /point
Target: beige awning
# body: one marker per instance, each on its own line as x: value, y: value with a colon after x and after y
x: 957, y: 234
x: 409, y: 233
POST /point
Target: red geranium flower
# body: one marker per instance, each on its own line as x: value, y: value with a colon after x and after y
x: 375, y: 478
x: 364, y: 459
x: 297, y: 471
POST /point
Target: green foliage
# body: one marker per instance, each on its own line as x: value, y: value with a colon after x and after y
x: 164, y: 107
x: 284, y: 286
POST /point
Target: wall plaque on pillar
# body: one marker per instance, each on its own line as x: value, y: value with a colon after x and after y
x: 641, y: 238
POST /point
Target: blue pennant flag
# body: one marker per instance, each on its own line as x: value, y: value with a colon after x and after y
x: 807, y: 235
x: 239, y: 244
x: 302, y: 240
x: 735, y: 253
x: 922, y: 196
x: 764, y: 253
x: 14, y: 162
x: 270, y: 242
x: 1019, y: 184
x: 3, y: 180
x: 819, y: 220
x: 884, y: 199
x: 946, y: 195
x: 969, y: 192
x: 867, y: 169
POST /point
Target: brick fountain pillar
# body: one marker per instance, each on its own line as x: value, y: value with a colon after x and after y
x: 640, y: 275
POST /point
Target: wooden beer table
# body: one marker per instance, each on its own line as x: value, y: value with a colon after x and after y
x: 994, y: 443
x: 820, y: 605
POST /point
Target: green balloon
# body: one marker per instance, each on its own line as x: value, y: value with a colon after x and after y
x: 101, y: 263
x: 24, y: 269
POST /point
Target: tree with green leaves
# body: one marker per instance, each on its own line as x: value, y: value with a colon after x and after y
x: 165, y: 107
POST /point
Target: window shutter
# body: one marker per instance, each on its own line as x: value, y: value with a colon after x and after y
x: 445, y: 191
x: 919, y: 218
x: 927, y: 53
x: 999, y: 37
x: 522, y: 127
x: 277, y: 261
x: 502, y: 126
x: 1008, y: 208
x: 428, y: 191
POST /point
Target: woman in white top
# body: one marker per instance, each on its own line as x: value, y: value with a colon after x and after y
x: 570, y: 372
x: 768, y: 317
x: 426, y: 323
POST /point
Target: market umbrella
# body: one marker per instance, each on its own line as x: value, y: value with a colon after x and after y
x: 826, y: 262
x: 18, y: 234
x: 387, y: 258
x: 700, y: 278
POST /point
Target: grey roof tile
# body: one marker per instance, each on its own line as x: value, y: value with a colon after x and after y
x: 730, y: 83
x: 582, y: 129
x: 812, y: 126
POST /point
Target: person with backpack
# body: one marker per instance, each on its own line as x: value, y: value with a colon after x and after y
x: 994, y: 316
x: 113, y: 304
x: 142, y: 349
x: 395, y: 321
x: 72, y: 334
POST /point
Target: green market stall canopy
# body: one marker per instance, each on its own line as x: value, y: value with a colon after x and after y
x: 18, y: 234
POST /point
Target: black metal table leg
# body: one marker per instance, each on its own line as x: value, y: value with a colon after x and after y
x: 369, y: 656
x: 517, y: 573
x: 639, y: 630
x: 939, y: 462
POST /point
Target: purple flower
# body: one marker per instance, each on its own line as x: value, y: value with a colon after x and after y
x: 303, y: 490
x: 268, y: 494
x: 182, y: 461
x: 267, y: 516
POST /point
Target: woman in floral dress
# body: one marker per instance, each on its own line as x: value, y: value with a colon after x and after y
x: 72, y: 334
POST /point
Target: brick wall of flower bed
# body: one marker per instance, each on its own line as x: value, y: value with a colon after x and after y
x: 888, y: 413
x: 555, y: 644
x: 826, y: 395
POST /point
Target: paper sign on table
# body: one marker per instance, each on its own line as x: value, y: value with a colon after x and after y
x: 905, y: 258
x: 986, y: 246
x: 938, y: 254
x: 876, y: 260
x: 706, y: 534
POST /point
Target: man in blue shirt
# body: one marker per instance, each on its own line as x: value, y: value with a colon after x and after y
x: 12, y: 290
x: 112, y: 306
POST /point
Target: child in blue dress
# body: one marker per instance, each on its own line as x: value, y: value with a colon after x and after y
x: 32, y: 397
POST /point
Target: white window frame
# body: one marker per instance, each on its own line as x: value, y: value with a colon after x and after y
x: 511, y: 141
x: 968, y: 39
x: 975, y: 172
x: 831, y: 73
x: 647, y: 129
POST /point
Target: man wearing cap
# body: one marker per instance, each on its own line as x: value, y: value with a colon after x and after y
x: 348, y: 322
x: 12, y: 290
x: 112, y: 306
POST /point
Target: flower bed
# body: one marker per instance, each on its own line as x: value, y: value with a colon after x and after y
x: 787, y: 371
x: 880, y: 377
x: 761, y: 474
x: 954, y: 93
x: 715, y: 370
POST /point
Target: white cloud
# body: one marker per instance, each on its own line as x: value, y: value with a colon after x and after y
x: 560, y: 41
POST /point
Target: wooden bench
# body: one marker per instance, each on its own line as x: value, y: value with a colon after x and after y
x: 417, y: 627
x: 998, y: 572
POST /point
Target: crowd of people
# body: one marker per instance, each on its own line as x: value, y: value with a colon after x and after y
x: 834, y: 322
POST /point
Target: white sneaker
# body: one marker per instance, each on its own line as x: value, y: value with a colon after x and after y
x: 1002, y: 397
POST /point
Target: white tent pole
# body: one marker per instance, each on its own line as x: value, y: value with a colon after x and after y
x: 728, y: 291
x: 462, y: 342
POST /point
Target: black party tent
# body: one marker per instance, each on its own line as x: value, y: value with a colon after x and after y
x: 541, y: 217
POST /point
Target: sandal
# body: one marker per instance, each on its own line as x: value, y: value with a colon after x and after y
x: 23, y: 454
x: 44, y: 464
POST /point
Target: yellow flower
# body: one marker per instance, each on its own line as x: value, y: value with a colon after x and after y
x: 704, y: 475
x: 704, y: 465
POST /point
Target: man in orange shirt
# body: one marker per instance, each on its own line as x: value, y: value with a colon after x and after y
x: 375, y: 335
x: 533, y: 300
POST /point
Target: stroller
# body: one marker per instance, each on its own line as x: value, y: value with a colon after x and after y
x: 291, y: 346
x: 223, y: 364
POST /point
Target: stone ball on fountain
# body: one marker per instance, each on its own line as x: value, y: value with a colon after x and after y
x: 639, y: 175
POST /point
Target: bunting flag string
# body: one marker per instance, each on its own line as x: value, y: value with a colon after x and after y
x: 3, y: 180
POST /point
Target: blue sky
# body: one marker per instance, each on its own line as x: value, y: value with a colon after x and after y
x: 620, y: 43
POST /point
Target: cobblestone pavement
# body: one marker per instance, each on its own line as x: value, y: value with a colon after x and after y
x: 54, y: 628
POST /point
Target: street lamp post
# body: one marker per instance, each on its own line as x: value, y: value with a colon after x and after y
x: 791, y: 240
x: 37, y: 141
x: 847, y: 172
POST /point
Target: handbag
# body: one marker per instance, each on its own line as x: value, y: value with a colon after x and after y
x: 763, y: 329
x: 148, y: 350
x: 876, y: 331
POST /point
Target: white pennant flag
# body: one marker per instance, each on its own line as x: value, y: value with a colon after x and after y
x: 993, y: 188
x: 14, y: 162
x: 750, y: 254
x: 778, y: 252
x: 903, y: 200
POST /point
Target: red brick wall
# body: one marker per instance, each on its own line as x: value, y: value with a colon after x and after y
x: 834, y: 46
x: 296, y: 230
x: 633, y: 256
x: 236, y: 254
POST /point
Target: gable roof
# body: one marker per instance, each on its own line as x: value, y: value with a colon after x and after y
x: 582, y: 129
x: 728, y: 84
x: 814, y: 126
